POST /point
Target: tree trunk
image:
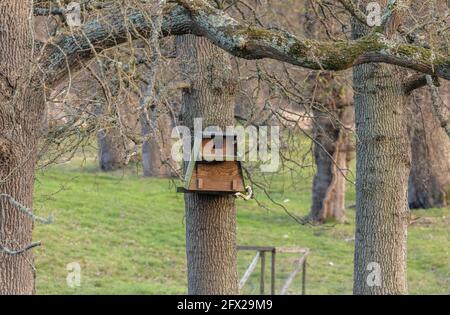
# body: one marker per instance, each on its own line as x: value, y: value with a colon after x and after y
x: 210, y: 220
x: 21, y: 119
x: 332, y: 154
x: 116, y: 108
x: 383, y: 165
x: 333, y: 114
x: 112, y: 151
x: 156, y: 150
x: 429, y: 182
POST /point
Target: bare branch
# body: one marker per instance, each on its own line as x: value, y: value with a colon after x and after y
x: 415, y: 83
x: 353, y: 9
x: 48, y: 11
x: 200, y: 18
x: 20, y: 251
x: 439, y: 108
x: 27, y: 211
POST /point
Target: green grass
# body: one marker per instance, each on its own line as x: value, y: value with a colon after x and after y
x: 127, y: 233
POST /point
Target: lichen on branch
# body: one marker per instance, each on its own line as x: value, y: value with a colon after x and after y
x: 114, y: 27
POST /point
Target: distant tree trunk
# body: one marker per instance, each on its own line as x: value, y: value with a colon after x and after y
x: 429, y: 182
x: 383, y: 164
x: 156, y: 150
x: 332, y: 155
x: 210, y: 220
x: 155, y: 122
x: 333, y: 115
x: 22, y: 109
x: 116, y: 108
x: 112, y: 150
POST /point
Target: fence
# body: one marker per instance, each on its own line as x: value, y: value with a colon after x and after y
x: 261, y: 252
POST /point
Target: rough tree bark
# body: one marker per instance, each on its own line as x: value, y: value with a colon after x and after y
x: 429, y: 182
x: 333, y: 115
x: 383, y: 165
x: 210, y: 220
x: 21, y: 120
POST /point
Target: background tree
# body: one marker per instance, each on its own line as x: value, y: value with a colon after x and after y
x: 333, y: 121
x: 429, y: 182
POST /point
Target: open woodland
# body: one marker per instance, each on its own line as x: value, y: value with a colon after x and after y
x: 345, y: 112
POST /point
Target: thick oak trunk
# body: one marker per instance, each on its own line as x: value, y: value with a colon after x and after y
x: 210, y: 220
x: 21, y: 113
x: 383, y: 165
x: 429, y: 182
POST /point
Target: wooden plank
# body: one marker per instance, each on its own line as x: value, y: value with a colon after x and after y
x: 217, y: 185
x: 226, y: 170
x: 192, y: 163
x: 256, y: 248
x: 249, y: 271
x: 218, y: 176
x: 204, y: 192
x: 291, y: 277
x: 292, y: 250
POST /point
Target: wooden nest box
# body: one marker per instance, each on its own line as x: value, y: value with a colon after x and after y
x: 215, y: 167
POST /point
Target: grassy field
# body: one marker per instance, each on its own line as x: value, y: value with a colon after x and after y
x: 127, y: 233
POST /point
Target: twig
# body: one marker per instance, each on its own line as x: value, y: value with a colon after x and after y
x: 27, y: 211
x: 440, y: 110
x: 20, y: 251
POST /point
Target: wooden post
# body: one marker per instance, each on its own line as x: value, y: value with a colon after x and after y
x: 263, y: 268
x: 304, y: 278
x: 272, y: 290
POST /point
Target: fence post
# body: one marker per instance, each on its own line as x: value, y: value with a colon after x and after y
x: 263, y: 269
x: 304, y: 278
x: 272, y: 290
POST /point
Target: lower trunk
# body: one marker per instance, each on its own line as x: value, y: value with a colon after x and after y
x: 210, y: 220
x: 383, y: 164
x: 332, y: 155
x: 211, y: 244
x: 21, y: 119
x: 112, y: 150
x: 16, y: 271
x: 429, y: 182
